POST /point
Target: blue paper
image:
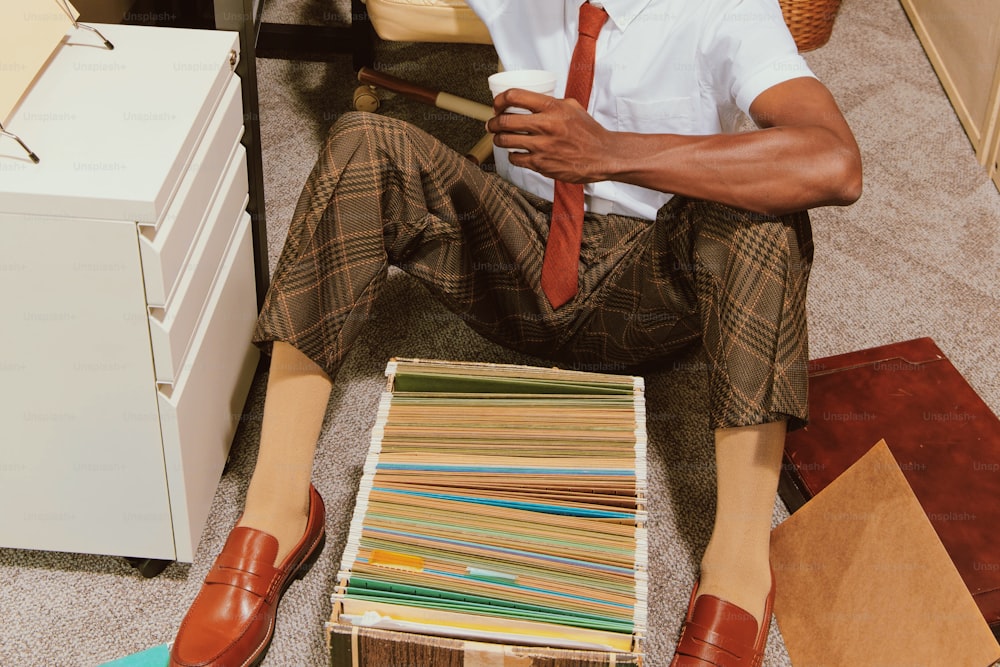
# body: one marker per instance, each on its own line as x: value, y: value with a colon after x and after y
x: 158, y: 656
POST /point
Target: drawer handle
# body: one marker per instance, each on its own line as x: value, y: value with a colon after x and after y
x: 234, y: 58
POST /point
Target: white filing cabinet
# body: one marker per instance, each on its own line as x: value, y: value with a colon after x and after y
x: 127, y: 292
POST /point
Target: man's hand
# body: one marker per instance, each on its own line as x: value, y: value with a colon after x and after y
x: 563, y: 141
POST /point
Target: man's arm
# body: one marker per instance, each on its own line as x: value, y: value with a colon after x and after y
x: 804, y: 155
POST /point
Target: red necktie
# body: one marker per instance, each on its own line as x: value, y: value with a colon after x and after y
x: 562, y: 250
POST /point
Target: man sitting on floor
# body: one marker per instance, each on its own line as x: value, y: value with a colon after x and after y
x: 637, y: 223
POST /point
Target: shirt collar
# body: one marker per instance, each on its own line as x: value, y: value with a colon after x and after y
x: 621, y: 12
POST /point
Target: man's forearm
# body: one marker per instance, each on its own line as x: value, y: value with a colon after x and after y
x: 775, y: 170
x: 804, y: 156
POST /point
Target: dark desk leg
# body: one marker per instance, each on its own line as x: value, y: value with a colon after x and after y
x: 364, y: 36
x: 238, y: 15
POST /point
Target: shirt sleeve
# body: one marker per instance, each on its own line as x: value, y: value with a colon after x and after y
x: 748, y: 48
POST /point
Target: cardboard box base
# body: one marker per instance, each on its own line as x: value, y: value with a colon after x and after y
x: 351, y: 646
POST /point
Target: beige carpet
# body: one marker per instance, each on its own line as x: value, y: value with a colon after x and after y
x: 917, y: 256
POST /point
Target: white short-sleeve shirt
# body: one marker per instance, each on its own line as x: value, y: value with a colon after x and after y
x: 662, y: 66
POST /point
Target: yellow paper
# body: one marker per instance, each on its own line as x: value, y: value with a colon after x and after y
x: 396, y: 560
x: 30, y: 30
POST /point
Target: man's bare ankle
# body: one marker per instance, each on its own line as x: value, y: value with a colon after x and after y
x: 287, y: 528
x: 743, y: 584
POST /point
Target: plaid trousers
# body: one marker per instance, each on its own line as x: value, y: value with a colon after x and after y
x: 384, y: 192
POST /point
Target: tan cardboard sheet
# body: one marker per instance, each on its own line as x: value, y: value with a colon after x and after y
x: 30, y: 30
x: 862, y: 579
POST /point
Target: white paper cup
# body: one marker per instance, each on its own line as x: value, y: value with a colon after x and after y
x: 535, y: 80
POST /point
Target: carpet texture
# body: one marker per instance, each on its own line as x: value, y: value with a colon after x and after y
x: 918, y: 255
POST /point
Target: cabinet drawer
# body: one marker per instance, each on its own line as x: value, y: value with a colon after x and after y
x: 199, y: 414
x: 165, y: 248
x: 172, y: 328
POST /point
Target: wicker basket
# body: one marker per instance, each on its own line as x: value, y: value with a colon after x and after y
x: 810, y: 21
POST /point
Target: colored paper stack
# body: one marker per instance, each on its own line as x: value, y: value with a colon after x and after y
x: 502, y: 504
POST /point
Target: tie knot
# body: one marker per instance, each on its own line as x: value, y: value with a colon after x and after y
x: 591, y: 20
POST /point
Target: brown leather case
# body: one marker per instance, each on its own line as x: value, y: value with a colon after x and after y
x: 944, y: 437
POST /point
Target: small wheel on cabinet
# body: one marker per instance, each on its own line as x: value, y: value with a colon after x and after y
x: 366, y: 99
x: 148, y: 567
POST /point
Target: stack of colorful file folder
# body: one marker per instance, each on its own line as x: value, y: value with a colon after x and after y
x: 501, y: 509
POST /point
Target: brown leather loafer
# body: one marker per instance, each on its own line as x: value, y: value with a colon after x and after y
x: 719, y: 634
x: 231, y: 622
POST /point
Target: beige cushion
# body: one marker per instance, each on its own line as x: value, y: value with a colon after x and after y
x: 426, y: 21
